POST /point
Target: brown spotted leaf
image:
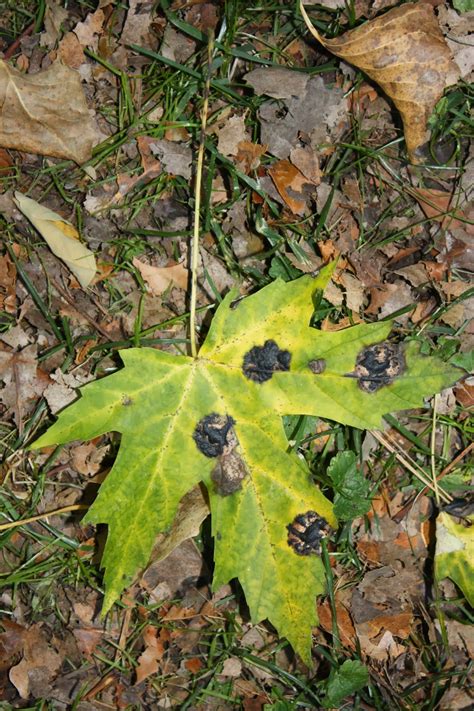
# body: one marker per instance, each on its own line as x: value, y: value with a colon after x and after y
x: 404, y: 51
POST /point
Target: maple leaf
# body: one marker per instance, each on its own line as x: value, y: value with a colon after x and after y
x: 217, y: 419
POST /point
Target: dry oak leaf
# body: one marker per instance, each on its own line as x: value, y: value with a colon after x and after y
x: 404, y: 51
x: 46, y: 113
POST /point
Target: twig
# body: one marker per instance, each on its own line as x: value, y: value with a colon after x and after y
x: 197, y: 202
x: 433, y: 452
x: 8, y: 54
x: 401, y: 513
x: 24, y: 521
x: 415, y: 470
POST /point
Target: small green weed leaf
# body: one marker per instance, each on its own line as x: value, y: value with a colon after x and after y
x: 217, y: 419
x: 464, y: 361
x: 349, y: 678
x: 352, y: 489
x: 454, y: 557
x: 464, y: 5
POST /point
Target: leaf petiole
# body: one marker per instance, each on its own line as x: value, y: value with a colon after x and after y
x: 197, y: 205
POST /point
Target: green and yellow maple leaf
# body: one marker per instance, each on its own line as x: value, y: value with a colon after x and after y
x: 261, y: 360
x: 454, y: 557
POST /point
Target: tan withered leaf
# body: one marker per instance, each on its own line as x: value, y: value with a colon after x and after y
x: 289, y: 181
x: 436, y: 204
x: 45, y: 113
x: 404, y: 51
x: 160, y: 278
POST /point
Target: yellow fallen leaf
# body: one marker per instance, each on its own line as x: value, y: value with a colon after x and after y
x: 404, y: 51
x: 62, y: 238
x: 46, y: 113
x: 160, y: 278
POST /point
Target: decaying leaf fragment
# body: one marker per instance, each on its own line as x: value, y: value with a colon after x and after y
x: 62, y: 238
x: 404, y: 51
x: 46, y: 113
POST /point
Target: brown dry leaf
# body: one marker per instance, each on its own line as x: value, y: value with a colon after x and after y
x: 70, y: 51
x: 38, y: 666
x: 328, y: 325
x: 404, y: 51
x: 465, y: 392
x: 24, y: 381
x: 7, y: 285
x: 435, y: 204
x: 6, y: 165
x: 61, y: 391
x: 307, y: 161
x: 87, y: 458
x: 177, y: 564
x: 151, y: 169
x: 192, y: 510
x: 87, y: 639
x: 160, y: 278
x: 138, y: 24
x: 62, y: 238
x: 354, y: 291
x: 46, y: 113
x: 306, y: 261
x: 289, y: 181
x: 88, y: 32
x: 202, y: 15
x: 11, y: 642
x: 346, y: 629
x: 194, y: 665
x: 232, y: 667
x: 230, y: 135
x: 248, y: 156
x: 175, y: 157
x: 277, y: 82
x: 54, y: 16
x: 148, y: 661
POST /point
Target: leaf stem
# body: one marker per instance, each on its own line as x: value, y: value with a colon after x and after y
x: 197, y: 202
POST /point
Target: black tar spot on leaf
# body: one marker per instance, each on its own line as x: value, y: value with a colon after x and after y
x: 262, y: 361
x: 306, y: 531
x: 212, y: 434
x: 317, y: 366
x: 379, y: 365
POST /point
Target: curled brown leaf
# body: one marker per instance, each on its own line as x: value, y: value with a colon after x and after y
x: 405, y: 52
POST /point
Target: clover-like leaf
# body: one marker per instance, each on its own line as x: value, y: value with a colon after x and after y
x: 217, y: 419
x: 352, y: 490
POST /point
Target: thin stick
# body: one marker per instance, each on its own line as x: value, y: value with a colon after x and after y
x: 24, y: 521
x: 197, y: 201
x: 419, y: 474
x: 401, y: 513
x: 10, y: 51
x: 433, y: 452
